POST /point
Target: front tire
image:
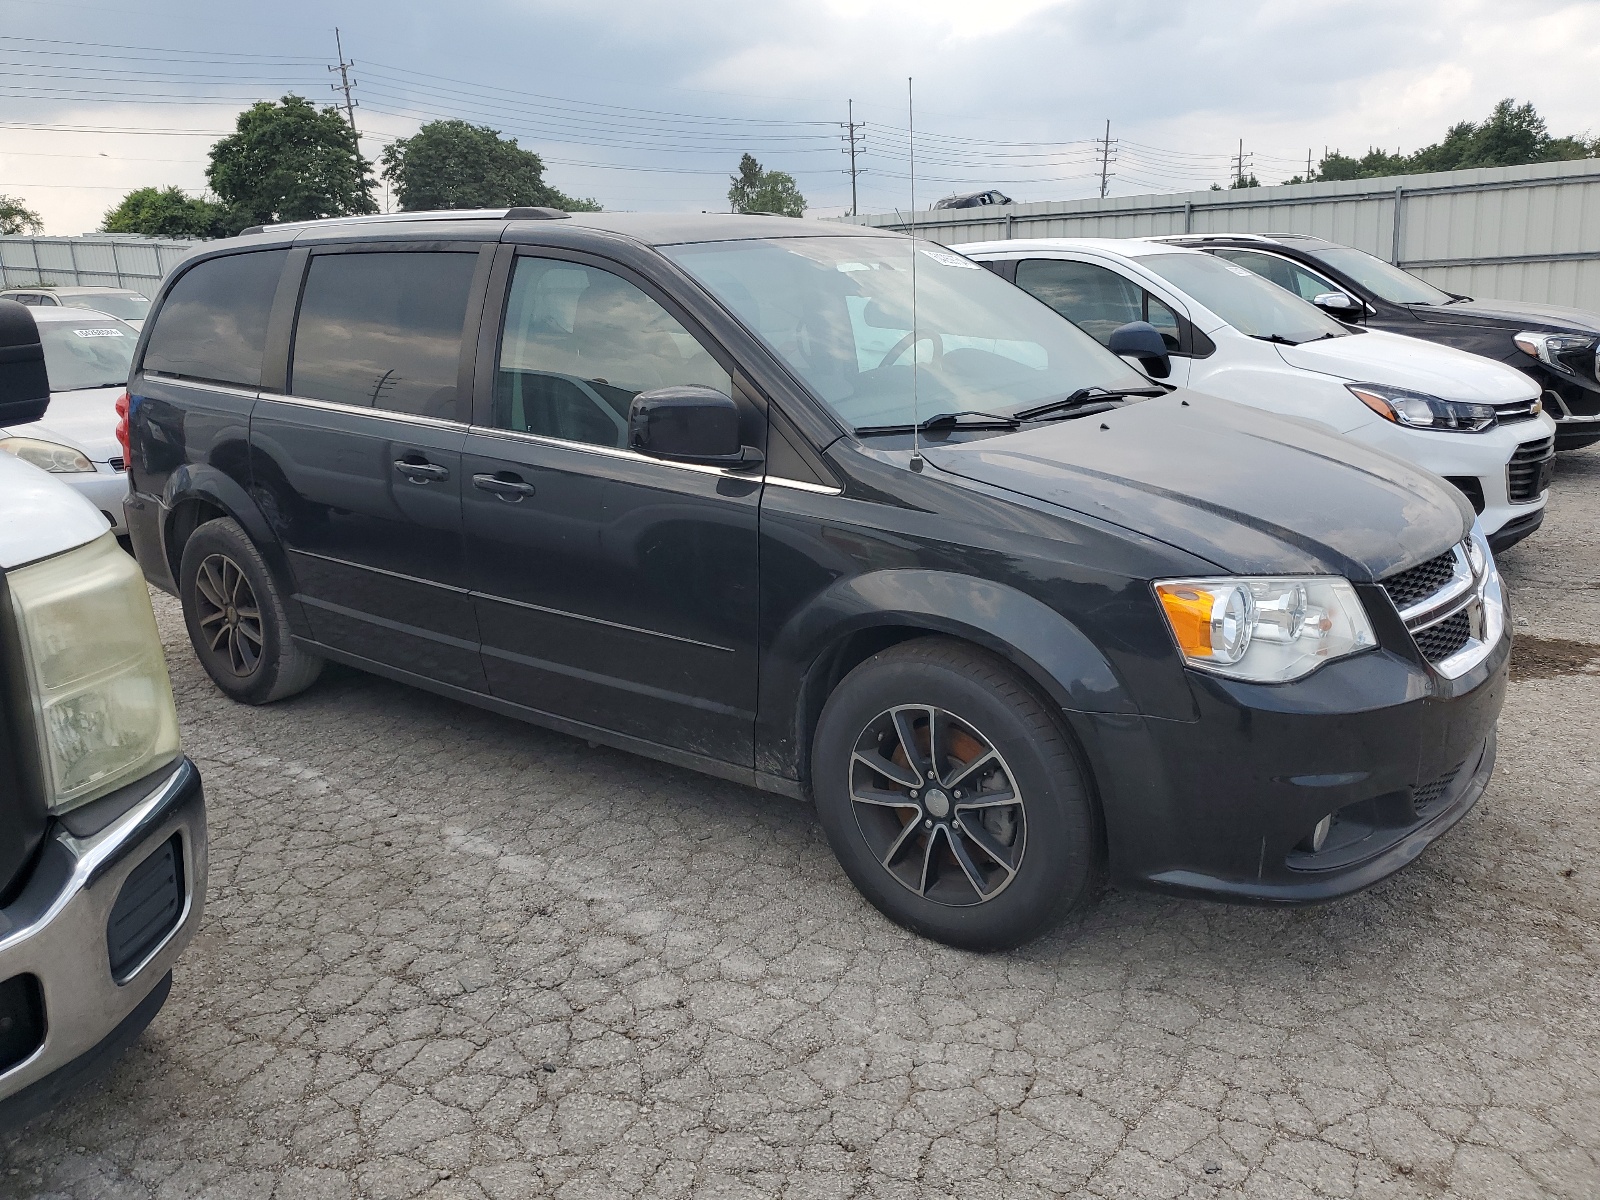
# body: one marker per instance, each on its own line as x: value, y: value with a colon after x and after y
x: 953, y: 797
x: 236, y: 617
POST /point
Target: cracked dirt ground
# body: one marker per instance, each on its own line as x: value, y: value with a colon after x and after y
x: 449, y: 955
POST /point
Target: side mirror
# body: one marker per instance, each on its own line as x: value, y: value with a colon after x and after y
x: 689, y: 423
x: 1340, y: 305
x: 24, y: 386
x: 1142, y: 340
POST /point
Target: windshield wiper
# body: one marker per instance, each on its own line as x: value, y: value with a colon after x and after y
x: 1277, y: 338
x: 1081, y: 397
x: 969, y: 418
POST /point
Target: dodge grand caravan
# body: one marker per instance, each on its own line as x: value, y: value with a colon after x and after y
x: 833, y: 513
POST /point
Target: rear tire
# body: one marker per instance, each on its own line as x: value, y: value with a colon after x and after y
x: 1001, y: 842
x: 236, y: 617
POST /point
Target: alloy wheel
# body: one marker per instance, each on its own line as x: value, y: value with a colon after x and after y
x: 230, y: 618
x: 938, y: 805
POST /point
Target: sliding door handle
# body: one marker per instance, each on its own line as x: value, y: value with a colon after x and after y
x: 421, y: 472
x: 505, y: 485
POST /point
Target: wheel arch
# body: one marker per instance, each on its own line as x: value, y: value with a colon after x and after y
x: 197, y: 493
x: 865, y: 614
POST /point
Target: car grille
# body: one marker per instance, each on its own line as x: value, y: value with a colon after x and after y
x: 1420, y: 582
x: 1522, y: 410
x: 1528, y: 473
x: 119, y: 464
x: 1439, y: 642
x: 147, y: 909
x: 1425, y: 796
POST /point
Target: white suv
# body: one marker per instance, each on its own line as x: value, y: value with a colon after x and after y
x: 1229, y: 332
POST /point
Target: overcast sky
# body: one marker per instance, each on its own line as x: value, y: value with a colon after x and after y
x: 649, y: 106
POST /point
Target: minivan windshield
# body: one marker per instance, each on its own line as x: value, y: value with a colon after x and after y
x: 129, y: 306
x: 86, y: 353
x: 1243, y: 299
x: 1380, y: 278
x: 838, y: 310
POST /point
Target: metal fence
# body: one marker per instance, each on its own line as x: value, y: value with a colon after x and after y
x: 1513, y: 233
x: 104, y: 261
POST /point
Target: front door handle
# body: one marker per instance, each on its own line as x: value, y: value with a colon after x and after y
x: 507, y: 486
x: 421, y: 472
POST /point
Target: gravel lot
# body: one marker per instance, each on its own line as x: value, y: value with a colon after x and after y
x: 450, y: 955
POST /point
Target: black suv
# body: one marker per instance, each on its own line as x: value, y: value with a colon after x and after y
x: 1559, y: 347
x: 832, y: 513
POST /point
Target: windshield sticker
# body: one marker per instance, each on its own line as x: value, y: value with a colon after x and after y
x: 951, y: 260
x: 1236, y: 270
x: 103, y: 331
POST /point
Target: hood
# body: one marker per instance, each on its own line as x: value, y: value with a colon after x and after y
x: 86, y: 421
x: 1509, y: 312
x: 1408, y: 362
x: 1250, y: 491
x: 43, y: 515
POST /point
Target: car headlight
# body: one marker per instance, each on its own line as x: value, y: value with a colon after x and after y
x: 1571, y: 353
x: 94, y: 672
x: 1418, y: 410
x: 1264, y: 630
x: 49, y: 456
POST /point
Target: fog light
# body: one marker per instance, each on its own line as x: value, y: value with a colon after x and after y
x: 1318, y: 837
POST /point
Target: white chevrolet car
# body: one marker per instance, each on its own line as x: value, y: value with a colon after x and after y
x: 87, y: 355
x: 1227, y: 331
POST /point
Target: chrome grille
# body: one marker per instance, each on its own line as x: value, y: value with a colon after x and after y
x: 1441, y: 603
x: 1420, y: 582
x: 1528, y: 473
x: 1522, y: 410
x: 1439, y: 642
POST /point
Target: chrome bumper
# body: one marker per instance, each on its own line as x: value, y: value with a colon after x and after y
x: 56, y: 931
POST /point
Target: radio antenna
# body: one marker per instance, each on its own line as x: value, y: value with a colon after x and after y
x: 916, y: 415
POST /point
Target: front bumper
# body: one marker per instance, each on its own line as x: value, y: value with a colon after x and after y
x: 1222, y: 806
x: 87, y: 947
x: 106, y: 489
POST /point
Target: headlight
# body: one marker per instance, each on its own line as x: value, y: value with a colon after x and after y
x: 1264, y: 630
x: 1572, y: 353
x: 96, y: 678
x: 51, y: 456
x: 1418, y: 410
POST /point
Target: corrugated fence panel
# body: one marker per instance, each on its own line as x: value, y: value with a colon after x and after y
x: 128, y: 262
x: 1514, y: 233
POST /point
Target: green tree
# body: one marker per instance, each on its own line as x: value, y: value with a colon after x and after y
x: 17, y: 217
x: 1512, y: 135
x: 1245, y: 181
x: 166, y: 212
x: 453, y: 164
x: 754, y: 190
x: 290, y: 161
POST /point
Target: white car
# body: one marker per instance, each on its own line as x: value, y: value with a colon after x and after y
x: 1229, y: 332
x: 123, y: 303
x: 86, y: 355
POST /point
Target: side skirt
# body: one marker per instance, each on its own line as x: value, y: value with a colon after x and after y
x: 619, y: 741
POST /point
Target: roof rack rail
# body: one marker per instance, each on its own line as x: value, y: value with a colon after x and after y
x: 518, y: 213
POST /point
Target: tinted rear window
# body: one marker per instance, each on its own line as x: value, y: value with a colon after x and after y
x: 384, y: 330
x: 213, y: 323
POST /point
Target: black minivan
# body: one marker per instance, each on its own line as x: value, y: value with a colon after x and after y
x: 833, y: 513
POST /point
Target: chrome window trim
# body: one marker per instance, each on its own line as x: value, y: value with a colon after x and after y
x: 540, y: 439
x: 801, y: 485
x: 390, y: 414
x: 231, y: 389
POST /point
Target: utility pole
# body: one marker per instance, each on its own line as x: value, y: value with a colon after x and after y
x: 1105, y: 160
x: 1239, y: 165
x: 851, y: 126
x: 1308, y: 166
x: 344, y: 85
